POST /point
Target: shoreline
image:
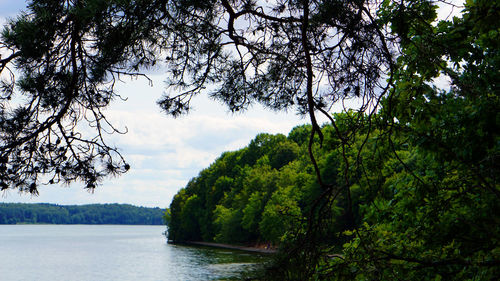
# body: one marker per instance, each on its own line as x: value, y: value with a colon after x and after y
x: 228, y: 246
x: 36, y: 223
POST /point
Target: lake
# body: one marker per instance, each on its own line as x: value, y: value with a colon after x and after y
x: 111, y: 252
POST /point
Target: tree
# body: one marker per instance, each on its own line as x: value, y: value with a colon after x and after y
x: 281, y: 214
x: 63, y: 58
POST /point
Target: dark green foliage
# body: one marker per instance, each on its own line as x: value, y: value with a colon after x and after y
x: 417, y: 216
x: 59, y: 62
x: 13, y: 213
x: 434, y: 212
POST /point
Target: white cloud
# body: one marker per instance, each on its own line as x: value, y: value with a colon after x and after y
x: 450, y: 9
x: 164, y: 153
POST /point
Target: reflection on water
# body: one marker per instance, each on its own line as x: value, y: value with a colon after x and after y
x: 105, y: 252
x: 218, y: 264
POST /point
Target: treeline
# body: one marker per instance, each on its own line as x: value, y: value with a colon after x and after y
x: 14, y: 213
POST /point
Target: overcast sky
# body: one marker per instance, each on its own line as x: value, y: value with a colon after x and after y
x: 164, y: 153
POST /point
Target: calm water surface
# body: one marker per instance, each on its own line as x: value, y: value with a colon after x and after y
x: 109, y: 252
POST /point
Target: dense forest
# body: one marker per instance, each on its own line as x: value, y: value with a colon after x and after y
x: 14, y: 213
x: 405, y: 199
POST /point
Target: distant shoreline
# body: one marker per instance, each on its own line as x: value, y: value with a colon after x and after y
x: 29, y: 223
x: 227, y: 246
x: 90, y: 214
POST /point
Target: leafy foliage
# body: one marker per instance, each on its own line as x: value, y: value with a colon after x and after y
x: 238, y: 198
x: 439, y: 221
x: 416, y: 215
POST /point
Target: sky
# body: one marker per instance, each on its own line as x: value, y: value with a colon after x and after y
x: 164, y: 153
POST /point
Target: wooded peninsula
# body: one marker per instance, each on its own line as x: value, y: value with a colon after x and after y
x: 404, y: 198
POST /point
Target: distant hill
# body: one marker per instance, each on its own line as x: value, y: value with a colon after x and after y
x: 14, y: 213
